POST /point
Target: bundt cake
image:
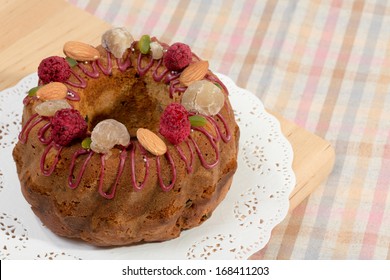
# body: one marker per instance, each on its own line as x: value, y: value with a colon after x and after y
x: 127, y: 142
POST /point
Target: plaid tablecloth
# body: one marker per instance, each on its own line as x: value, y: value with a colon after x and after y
x: 322, y: 64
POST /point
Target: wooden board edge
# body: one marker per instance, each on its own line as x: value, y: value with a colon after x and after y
x: 298, y: 195
x: 314, y: 158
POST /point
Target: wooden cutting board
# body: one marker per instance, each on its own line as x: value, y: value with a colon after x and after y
x: 34, y: 29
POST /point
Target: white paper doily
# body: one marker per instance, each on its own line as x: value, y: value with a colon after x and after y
x: 241, y: 225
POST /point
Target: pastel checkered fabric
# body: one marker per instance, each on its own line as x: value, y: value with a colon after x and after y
x: 324, y: 65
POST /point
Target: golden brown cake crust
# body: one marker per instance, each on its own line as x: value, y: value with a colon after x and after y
x: 130, y: 216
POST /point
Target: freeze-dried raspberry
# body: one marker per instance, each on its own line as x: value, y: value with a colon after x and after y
x: 67, y: 125
x: 174, y: 123
x: 54, y: 69
x: 177, y: 57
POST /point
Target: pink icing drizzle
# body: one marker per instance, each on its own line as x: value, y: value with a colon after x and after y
x: 143, y: 71
x: 94, y: 73
x: 41, y: 134
x: 215, y: 79
x: 199, y: 152
x: 82, y: 83
x: 140, y: 186
x: 108, y: 69
x: 23, y: 135
x: 173, y: 170
x: 48, y: 172
x: 227, y: 136
x: 72, y: 95
x: 28, y: 99
x: 171, y: 78
x: 183, y: 156
x: 156, y: 76
x: 121, y: 165
x: 82, y: 170
x: 174, y: 86
x: 123, y: 64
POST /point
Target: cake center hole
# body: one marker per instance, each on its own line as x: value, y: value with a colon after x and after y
x: 121, y: 97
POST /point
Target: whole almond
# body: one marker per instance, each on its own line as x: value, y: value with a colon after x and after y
x: 81, y: 51
x: 52, y: 91
x: 194, y: 72
x: 151, y: 142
